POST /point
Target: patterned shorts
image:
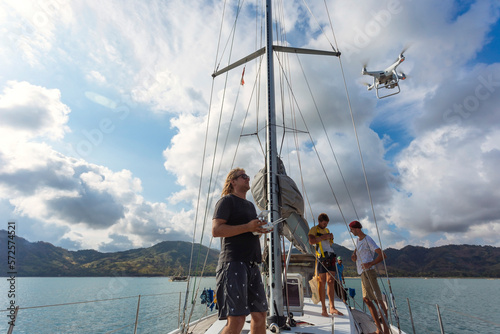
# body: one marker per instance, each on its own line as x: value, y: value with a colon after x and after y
x: 239, y: 289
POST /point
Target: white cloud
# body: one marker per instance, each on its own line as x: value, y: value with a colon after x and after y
x: 161, y: 56
x: 446, y: 182
x: 30, y: 111
x: 442, y: 43
x: 93, y: 203
x: 157, y: 56
x: 96, y: 77
x: 35, y: 26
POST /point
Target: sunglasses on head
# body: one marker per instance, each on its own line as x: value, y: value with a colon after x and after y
x: 244, y: 176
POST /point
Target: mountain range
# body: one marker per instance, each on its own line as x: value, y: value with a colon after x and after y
x: 171, y: 258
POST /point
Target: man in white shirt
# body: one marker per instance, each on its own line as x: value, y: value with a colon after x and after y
x: 365, y: 259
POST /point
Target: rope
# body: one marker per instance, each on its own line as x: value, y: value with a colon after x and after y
x: 458, y: 312
x: 317, y: 154
x: 363, y: 167
x: 212, y: 180
x: 329, y: 142
x: 185, y: 307
x: 319, y: 25
x: 89, y: 301
x: 257, y: 78
x: 286, y: 79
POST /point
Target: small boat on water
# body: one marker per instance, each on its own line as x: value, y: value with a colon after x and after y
x: 178, y: 278
x: 292, y: 309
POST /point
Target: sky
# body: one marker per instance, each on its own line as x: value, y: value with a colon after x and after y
x: 104, y: 105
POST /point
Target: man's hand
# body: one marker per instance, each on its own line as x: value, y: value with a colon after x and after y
x: 255, y: 225
x: 221, y: 229
x: 316, y: 239
x: 367, y: 265
x: 327, y: 236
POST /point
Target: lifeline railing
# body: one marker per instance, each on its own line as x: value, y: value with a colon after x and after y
x: 135, y: 324
x: 440, y: 321
x: 438, y: 310
x: 14, y: 316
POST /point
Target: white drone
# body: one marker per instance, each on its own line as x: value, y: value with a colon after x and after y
x: 388, y: 78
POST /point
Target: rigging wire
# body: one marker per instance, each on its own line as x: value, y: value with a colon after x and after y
x: 319, y: 25
x: 257, y: 78
x: 283, y: 79
x: 318, y: 156
x: 287, y: 69
x: 233, y: 32
x: 184, y: 328
x: 329, y: 142
x: 359, y: 150
x: 363, y: 168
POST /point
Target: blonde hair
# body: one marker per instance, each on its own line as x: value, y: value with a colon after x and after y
x: 228, y: 187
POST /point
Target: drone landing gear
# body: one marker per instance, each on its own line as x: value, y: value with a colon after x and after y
x: 388, y: 86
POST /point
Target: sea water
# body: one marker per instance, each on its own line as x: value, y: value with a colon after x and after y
x: 466, y: 306
x: 101, y: 304
x: 111, y: 304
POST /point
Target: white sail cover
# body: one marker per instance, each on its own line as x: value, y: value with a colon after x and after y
x: 291, y: 205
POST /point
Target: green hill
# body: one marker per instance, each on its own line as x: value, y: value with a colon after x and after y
x: 445, y: 261
x: 167, y: 258
x: 171, y: 258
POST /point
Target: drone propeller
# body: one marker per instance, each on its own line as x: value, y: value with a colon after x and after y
x: 369, y: 86
x: 362, y: 82
x: 405, y: 48
x: 401, y: 54
x: 365, y: 62
x: 363, y: 70
x: 404, y: 76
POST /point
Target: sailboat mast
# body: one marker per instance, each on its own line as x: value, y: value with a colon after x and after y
x: 275, y: 274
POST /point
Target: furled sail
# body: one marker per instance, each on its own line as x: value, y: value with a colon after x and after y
x: 291, y: 205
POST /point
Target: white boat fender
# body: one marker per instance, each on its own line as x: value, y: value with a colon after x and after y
x: 274, y: 328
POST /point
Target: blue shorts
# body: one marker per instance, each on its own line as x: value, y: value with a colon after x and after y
x: 239, y: 289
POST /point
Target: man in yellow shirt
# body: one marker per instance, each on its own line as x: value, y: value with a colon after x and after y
x: 320, y: 235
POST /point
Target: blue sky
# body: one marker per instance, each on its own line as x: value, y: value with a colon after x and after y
x: 103, y: 107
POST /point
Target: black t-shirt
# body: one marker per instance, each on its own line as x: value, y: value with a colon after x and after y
x: 243, y: 247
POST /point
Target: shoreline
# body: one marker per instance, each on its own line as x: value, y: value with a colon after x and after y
x: 432, y: 277
x: 345, y: 277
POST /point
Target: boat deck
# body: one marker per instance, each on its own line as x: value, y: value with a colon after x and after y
x: 311, y: 322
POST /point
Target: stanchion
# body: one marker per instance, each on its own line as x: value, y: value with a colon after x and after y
x: 13, y: 322
x: 440, y: 320
x: 137, y: 314
x: 411, y: 316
